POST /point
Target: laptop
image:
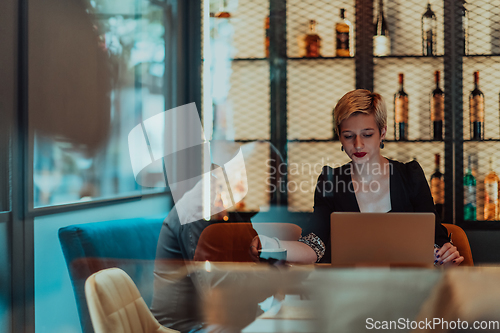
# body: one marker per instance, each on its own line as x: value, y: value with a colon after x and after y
x: 382, y: 239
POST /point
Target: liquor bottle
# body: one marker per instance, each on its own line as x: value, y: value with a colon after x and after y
x: 401, y: 112
x: 267, y: 39
x: 469, y: 193
x: 222, y: 13
x: 221, y: 17
x: 429, y: 29
x: 343, y: 36
x: 381, y: 40
x: 437, y: 187
x: 465, y: 27
x: 476, y: 108
x: 491, y: 193
x: 437, y: 110
x: 312, y: 41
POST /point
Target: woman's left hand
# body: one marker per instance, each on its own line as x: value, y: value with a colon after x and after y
x: 255, y: 246
x: 447, y: 256
x: 262, y: 242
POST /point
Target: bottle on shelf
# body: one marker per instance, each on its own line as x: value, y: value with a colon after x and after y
x: 469, y: 193
x: 491, y: 193
x: 465, y: 27
x: 437, y: 187
x: 401, y: 112
x: 312, y: 42
x: 476, y: 110
x: 221, y: 16
x: 429, y: 30
x: 437, y: 110
x: 222, y: 12
x: 343, y: 36
x: 381, y: 39
x: 267, y: 38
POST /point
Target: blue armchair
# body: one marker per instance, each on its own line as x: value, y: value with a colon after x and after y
x: 129, y: 244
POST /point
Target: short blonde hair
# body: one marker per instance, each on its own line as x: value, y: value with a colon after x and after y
x: 360, y: 101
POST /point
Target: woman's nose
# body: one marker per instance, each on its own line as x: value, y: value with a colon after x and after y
x: 358, y: 142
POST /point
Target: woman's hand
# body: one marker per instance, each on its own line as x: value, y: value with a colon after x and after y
x: 447, y: 256
x: 255, y: 246
x: 262, y: 242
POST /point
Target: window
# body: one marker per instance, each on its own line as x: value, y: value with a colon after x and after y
x: 95, y: 73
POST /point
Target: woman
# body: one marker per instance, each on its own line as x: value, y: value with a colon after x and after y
x: 369, y: 183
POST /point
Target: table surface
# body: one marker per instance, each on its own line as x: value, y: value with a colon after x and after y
x: 342, y: 298
x: 325, y: 299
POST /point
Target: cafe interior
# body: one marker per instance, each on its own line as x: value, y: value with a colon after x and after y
x: 161, y: 163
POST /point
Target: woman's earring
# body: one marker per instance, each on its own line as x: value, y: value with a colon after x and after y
x: 382, y: 144
x: 342, y: 148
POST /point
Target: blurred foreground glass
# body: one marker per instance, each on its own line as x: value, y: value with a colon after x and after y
x: 129, y: 40
x: 264, y: 298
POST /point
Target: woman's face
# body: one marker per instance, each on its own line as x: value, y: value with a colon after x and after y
x: 360, y: 136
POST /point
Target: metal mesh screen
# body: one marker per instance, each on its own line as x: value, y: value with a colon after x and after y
x: 483, y: 46
x: 422, y: 152
x: 249, y: 27
x: 305, y: 161
x: 314, y: 85
x: 249, y: 92
x: 236, y: 97
x: 256, y: 156
x: 313, y: 91
x: 249, y: 98
x: 481, y: 152
x: 237, y: 74
x: 405, y: 24
x: 484, y: 26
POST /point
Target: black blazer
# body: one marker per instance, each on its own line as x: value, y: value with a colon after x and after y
x: 409, y: 192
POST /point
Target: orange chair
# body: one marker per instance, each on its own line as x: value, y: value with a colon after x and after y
x: 460, y: 240
x: 230, y: 242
